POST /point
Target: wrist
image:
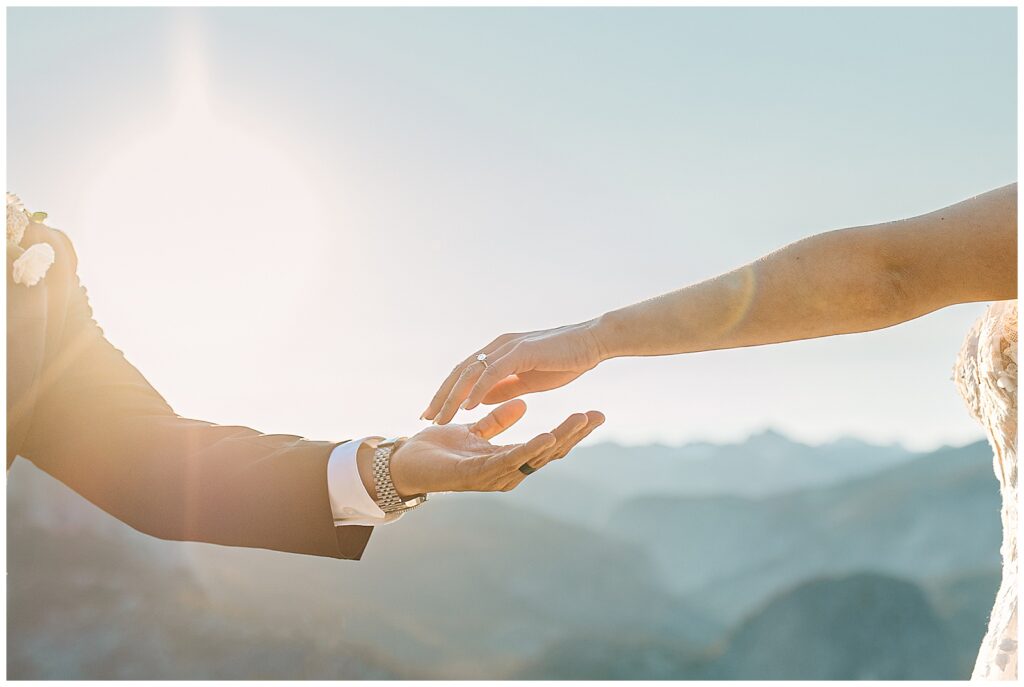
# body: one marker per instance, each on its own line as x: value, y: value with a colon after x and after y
x: 405, y: 486
x: 608, y: 332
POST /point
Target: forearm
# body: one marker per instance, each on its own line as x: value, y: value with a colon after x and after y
x: 833, y: 283
x: 99, y: 427
x: 816, y: 287
x: 839, y: 282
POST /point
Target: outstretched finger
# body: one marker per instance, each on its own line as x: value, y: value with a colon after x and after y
x: 564, y: 434
x: 465, y: 382
x: 499, y: 419
x: 507, y: 362
x: 594, y: 420
x: 475, y: 369
x: 444, y: 391
x: 572, y: 433
x: 570, y: 426
x: 524, y: 453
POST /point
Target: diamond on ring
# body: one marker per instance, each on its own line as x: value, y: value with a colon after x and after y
x: 483, y: 359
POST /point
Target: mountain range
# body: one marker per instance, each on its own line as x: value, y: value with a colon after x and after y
x: 683, y: 567
x: 588, y: 486
x: 924, y: 518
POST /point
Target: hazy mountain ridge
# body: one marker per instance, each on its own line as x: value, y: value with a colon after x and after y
x: 863, y: 626
x: 856, y: 627
x: 731, y: 553
x: 766, y: 462
x: 587, y: 487
x: 529, y: 581
x: 486, y: 586
x: 92, y: 603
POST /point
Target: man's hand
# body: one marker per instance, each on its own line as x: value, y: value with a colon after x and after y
x: 461, y: 457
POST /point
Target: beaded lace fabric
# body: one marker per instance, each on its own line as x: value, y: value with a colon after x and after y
x: 986, y: 376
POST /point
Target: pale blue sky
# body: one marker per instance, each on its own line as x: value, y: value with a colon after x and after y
x: 299, y: 219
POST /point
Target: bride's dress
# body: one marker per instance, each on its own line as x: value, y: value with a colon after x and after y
x: 986, y: 375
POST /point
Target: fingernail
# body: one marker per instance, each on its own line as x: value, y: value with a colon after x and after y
x: 465, y: 405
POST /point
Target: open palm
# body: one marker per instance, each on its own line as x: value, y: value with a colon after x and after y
x: 462, y: 458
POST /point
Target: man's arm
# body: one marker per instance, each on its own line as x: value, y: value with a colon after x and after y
x: 103, y: 430
x: 100, y: 428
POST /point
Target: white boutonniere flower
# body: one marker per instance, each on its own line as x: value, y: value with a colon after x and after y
x: 17, y: 219
x: 32, y: 263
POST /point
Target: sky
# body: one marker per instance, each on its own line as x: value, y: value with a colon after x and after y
x: 299, y: 219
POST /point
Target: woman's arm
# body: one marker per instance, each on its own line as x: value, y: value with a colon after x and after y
x: 839, y: 282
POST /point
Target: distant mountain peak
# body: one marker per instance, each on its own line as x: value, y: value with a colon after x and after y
x: 849, y: 442
x: 769, y: 437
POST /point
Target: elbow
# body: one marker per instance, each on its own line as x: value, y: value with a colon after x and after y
x: 889, y: 278
x: 161, y: 515
x: 158, y: 528
x: 894, y: 292
x: 894, y: 296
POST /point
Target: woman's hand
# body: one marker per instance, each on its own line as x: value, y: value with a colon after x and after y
x: 461, y: 457
x: 517, y: 364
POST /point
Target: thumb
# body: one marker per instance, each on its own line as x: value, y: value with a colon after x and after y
x: 499, y: 419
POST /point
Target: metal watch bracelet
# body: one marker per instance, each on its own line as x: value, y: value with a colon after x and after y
x: 387, y: 496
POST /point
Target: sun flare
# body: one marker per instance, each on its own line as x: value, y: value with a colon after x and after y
x: 208, y: 185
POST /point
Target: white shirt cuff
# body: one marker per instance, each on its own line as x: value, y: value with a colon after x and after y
x: 350, y: 501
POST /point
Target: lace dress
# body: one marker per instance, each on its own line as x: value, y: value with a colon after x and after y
x: 986, y: 375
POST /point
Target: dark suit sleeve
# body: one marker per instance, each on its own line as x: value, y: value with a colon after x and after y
x: 100, y: 428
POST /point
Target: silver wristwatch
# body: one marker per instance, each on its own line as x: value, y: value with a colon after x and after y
x: 387, y: 497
